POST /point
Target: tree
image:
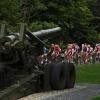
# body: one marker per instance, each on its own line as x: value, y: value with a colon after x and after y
x: 9, y: 12
x: 73, y: 16
x: 76, y: 17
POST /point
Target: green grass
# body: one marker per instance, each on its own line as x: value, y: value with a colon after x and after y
x: 88, y: 73
x: 96, y: 98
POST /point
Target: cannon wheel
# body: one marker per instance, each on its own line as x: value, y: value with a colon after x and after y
x: 47, y: 76
x: 70, y: 75
x: 62, y: 76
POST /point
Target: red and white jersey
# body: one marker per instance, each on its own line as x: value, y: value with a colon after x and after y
x: 73, y: 51
x: 57, y: 48
x: 98, y: 47
x: 91, y: 49
x: 88, y: 49
x: 68, y: 52
x: 77, y: 47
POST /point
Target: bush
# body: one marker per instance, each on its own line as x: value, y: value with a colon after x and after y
x: 36, y: 26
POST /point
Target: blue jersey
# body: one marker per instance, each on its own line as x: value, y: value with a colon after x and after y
x: 45, y: 50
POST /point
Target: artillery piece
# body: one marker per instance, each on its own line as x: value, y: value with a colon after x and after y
x: 19, y: 54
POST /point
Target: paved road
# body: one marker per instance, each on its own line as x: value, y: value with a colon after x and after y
x: 80, y: 92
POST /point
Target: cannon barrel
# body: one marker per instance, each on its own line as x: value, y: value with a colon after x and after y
x: 36, y: 37
x: 42, y: 34
x: 49, y: 33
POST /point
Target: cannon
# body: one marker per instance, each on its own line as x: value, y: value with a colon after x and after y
x: 19, y: 61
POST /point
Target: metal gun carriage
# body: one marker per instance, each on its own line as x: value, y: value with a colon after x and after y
x: 19, y: 64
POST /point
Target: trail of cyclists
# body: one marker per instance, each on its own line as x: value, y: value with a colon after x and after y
x: 73, y: 53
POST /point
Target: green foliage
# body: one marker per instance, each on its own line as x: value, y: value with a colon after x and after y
x: 73, y: 16
x: 35, y: 26
x: 63, y: 45
x: 9, y: 13
x: 77, y: 18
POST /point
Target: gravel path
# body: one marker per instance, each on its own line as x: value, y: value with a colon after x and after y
x: 80, y: 92
x: 87, y: 93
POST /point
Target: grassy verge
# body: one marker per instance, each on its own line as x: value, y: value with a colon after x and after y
x: 88, y: 73
x: 96, y: 98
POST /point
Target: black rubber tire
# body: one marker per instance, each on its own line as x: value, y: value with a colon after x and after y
x: 58, y: 77
x: 62, y: 76
x: 70, y: 75
x: 47, y: 76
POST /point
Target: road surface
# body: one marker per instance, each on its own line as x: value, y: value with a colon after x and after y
x: 80, y: 92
